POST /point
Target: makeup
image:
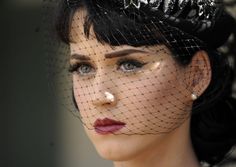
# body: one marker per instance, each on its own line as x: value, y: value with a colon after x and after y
x: 107, y: 126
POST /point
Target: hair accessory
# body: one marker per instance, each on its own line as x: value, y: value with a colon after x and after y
x: 126, y: 89
x: 109, y: 96
x: 201, y: 8
x: 135, y: 3
x: 194, y: 96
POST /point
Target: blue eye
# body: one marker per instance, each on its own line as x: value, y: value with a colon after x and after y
x: 82, y: 68
x: 129, y: 65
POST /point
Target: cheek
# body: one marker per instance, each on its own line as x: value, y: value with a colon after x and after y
x: 154, y: 102
x: 83, y: 94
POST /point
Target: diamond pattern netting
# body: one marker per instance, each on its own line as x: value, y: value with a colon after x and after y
x: 125, y: 67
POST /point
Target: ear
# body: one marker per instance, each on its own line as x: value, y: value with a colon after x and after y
x: 199, y: 73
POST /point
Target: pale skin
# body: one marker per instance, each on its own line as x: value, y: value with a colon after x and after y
x: 169, y: 149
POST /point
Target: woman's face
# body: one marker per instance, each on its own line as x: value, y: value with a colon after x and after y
x: 126, y: 93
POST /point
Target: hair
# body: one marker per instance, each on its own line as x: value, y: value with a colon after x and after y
x: 213, y: 118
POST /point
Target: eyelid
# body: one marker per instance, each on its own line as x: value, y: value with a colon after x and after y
x: 137, y: 63
x: 121, y: 60
x: 74, y: 66
x: 76, y: 62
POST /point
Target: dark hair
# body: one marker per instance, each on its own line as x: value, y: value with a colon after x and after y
x: 213, y: 116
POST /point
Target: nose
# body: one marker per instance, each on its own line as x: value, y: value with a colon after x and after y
x: 104, y: 93
x: 104, y: 98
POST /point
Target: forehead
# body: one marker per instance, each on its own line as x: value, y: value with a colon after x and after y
x: 80, y: 42
x: 91, y: 46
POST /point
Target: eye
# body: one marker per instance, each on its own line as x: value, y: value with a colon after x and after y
x: 82, y: 68
x: 130, y: 65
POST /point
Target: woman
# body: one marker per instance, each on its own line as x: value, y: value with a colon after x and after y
x: 150, y: 87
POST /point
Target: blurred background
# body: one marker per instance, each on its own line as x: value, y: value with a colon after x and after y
x: 37, y: 131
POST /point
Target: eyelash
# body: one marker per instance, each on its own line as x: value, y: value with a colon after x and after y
x: 75, y: 67
x: 135, y: 64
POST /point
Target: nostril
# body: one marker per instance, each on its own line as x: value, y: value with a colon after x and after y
x: 107, y: 103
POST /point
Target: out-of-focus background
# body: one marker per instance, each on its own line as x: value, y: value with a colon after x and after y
x: 36, y: 130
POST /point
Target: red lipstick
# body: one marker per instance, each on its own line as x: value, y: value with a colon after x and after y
x: 107, y: 126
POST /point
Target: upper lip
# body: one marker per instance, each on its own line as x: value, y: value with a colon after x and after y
x: 107, y: 122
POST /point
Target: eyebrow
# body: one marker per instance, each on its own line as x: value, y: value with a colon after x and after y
x: 80, y: 57
x: 123, y: 53
x: 109, y: 55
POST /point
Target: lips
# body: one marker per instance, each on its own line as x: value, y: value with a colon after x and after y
x: 107, y: 126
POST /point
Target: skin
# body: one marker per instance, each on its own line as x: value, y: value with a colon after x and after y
x: 165, y: 100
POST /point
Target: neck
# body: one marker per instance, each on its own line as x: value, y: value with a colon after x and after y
x: 175, y: 150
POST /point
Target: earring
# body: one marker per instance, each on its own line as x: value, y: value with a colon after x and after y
x: 194, y: 96
x: 110, y: 97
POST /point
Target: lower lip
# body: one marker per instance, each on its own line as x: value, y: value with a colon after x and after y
x: 108, y: 129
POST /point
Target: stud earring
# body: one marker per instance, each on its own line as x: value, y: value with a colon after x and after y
x: 194, y: 96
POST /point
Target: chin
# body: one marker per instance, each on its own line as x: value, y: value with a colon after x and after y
x: 114, y: 153
x: 122, y: 147
x: 113, y: 147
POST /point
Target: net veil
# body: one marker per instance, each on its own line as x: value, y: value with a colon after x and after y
x: 135, y: 66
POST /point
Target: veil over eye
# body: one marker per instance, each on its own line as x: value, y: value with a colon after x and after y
x: 143, y: 67
x: 156, y: 73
